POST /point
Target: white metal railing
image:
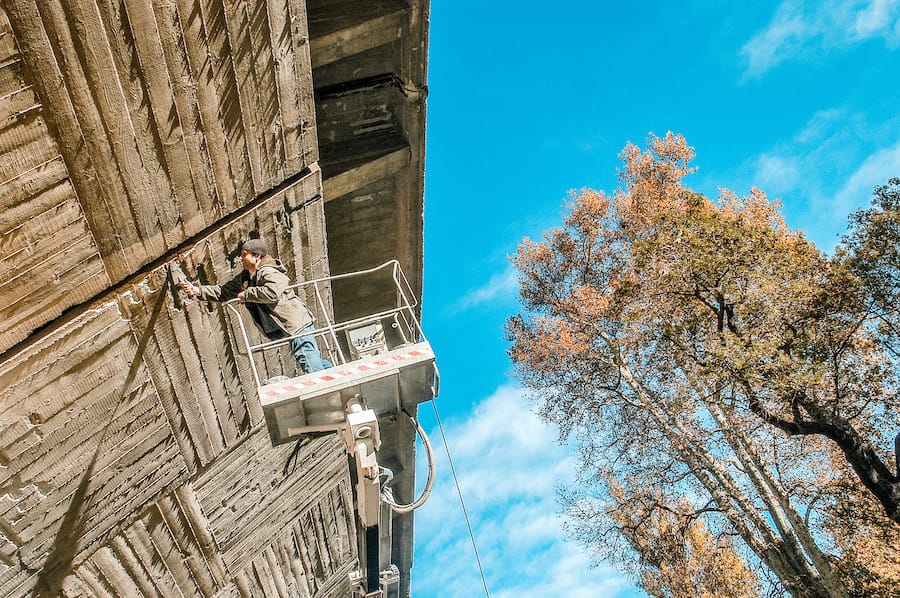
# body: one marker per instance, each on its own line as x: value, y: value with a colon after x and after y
x: 334, y: 338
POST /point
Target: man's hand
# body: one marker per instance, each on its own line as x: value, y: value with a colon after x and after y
x: 189, y: 288
x: 240, y: 296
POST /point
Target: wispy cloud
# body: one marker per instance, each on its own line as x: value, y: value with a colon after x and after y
x: 827, y: 169
x: 508, y: 464
x: 875, y: 170
x: 502, y: 286
x: 785, y: 35
x: 799, y: 29
x: 830, y: 137
x: 878, y: 18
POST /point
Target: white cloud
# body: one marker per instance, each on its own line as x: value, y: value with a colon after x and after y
x: 501, y: 286
x: 829, y: 138
x: 875, y: 170
x: 878, y: 18
x: 782, y: 172
x: 509, y: 464
x: 783, y: 35
x: 799, y: 29
x: 826, y: 170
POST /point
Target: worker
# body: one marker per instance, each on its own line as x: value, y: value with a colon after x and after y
x: 262, y: 286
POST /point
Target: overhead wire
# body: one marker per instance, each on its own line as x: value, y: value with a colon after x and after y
x: 462, y: 502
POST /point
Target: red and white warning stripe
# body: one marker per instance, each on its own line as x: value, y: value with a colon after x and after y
x: 344, y: 371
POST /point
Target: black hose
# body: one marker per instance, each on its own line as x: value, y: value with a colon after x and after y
x: 372, y: 573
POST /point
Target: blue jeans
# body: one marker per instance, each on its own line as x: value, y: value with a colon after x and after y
x: 307, y: 352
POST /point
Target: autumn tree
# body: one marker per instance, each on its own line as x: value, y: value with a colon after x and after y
x: 678, y: 556
x: 867, y: 541
x: 872, y: 251
x: 708, y: 350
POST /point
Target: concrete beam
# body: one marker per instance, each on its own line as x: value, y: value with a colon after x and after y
x: 357, y: 178
x: 358, y: 38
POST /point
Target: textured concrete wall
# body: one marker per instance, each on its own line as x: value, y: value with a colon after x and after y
x: 49, y: 259
x: 139, y: 133
x: 131, y: 127
x: 133, y: 457
x: 102, y: 442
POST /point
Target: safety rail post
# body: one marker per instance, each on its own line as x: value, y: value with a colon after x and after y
x: 415, y: 327
x: 230, y: 306
x: 331, y: 326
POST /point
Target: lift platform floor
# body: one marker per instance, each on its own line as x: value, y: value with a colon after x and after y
x: 388, y: 383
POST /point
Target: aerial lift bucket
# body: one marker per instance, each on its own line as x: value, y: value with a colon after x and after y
x: 383, y: 368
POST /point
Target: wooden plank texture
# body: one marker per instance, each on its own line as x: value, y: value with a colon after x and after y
x: 173, y: 548
x: 191, y: 405
x: 246, y: 513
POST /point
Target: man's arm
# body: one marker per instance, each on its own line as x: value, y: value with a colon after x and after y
x: 214, y: 292
x: 270, y: 286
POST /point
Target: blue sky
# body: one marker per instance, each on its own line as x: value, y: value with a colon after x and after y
x: 527, y: 101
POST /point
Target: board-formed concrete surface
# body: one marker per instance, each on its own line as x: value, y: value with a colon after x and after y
x: 134, y: 458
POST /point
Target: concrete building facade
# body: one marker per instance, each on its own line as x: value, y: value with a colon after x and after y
x: 134, y: 458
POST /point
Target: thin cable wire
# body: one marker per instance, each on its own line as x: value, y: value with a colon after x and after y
x: 461, y: 501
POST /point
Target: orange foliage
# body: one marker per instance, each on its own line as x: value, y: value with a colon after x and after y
x: 652, y: 178
x: 869, y: 542
x: 679, y: 558
x: 658, y: 307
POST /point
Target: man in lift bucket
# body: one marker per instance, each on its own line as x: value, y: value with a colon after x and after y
x: 262, y: 286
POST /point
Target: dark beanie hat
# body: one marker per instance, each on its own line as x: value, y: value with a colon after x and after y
x: 257, y: 246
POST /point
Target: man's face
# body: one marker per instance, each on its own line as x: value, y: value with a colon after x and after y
x: 250, y: 261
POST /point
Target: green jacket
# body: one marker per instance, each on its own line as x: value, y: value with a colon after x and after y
x: 275, y: 308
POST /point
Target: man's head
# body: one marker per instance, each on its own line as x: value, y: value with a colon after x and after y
x: 255, y: 246
x: 252, y: 253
